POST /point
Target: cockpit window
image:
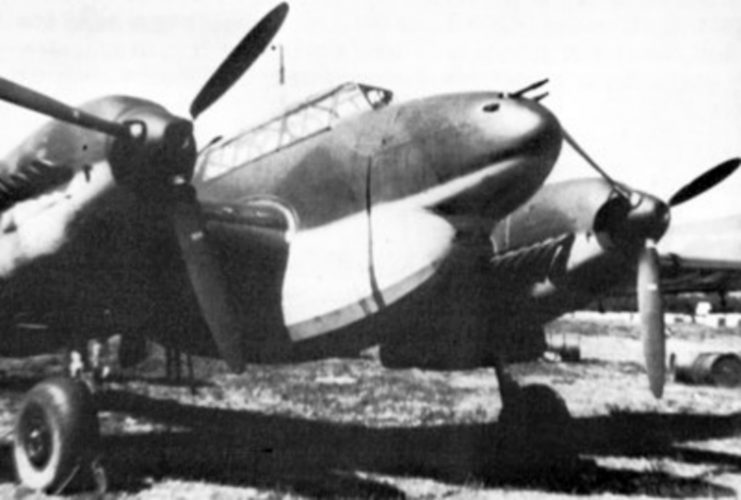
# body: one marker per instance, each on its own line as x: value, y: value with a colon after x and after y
x: 300, y: 122
x: 377, y: 97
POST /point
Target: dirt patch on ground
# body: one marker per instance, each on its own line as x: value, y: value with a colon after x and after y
x: 350, y: 428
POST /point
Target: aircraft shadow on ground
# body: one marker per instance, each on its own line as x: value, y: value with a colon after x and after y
x: 327, y: 459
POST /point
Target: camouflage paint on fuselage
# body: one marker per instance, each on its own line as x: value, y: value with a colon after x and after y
x: 381, y: 210
x: 382, y: 198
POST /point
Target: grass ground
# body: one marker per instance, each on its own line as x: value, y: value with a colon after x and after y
x: 350, y: 428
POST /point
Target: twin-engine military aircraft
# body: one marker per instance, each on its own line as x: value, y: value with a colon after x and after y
x: 347, y: 221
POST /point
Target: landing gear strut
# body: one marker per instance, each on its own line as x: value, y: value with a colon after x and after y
x: 532, y: 432
x: 532, y: 406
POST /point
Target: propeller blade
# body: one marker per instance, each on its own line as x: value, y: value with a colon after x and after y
x: 35, y: 101
x: 704, y: 182
x: 652, y: 317
x: 532, y: 86
x: 240, y: 59
x: 207, y: 277
x: 581, y: 152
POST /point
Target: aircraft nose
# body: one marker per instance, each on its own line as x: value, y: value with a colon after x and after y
x: 524, y: 137
x: 525, y: 128
x: 485, y: 152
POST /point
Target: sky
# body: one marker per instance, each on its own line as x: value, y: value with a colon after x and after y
x: 651, y: 88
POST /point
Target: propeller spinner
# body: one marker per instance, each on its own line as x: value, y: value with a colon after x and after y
x: 163, y: 146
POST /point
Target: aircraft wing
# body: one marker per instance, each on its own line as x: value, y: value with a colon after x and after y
x: 702, y: 256
x: 261, y: 223
x: 320, y: 279
x: 252, y: 241
x: 696, y: 274
x: 342, y: 272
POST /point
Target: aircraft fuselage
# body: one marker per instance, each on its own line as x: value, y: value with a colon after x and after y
x: 382, y: 203
x: 383, y: 217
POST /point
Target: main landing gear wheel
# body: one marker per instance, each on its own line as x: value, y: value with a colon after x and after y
x: 535, y: 406
x: 56, y: 435
x: 533, y: 436
x: 531, y: 406
x: 533, y: 432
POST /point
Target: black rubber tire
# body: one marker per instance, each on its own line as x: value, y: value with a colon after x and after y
x: 544, y: 406
x: 533, y: 436
x: 56, y: 435
x: 534, y: 406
